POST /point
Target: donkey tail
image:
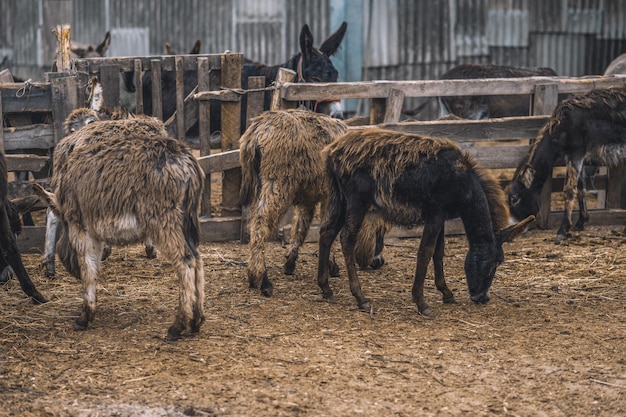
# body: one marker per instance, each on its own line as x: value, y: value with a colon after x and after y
x: 191, y: 209
x: 250, y: 159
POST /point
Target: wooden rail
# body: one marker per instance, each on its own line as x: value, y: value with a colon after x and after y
x: 496, y: 143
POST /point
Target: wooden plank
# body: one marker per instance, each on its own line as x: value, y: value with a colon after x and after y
x: 24, y: 162
x: 6, y: 76
x: 506, y: 128
x: 493, y: 157
x: 394, y: 106
x: 256, y: 99
x: 284, y: 76
x: 434, y: 88
x: 62, y: 61
x: 224, y: 229
x: 156, y: 89
x: 231, y: 125
x: 32, y: 239
x: 204, y: 125
x: 167, y: 62
x: 2, y: 144
x: 455, y: 227
x: 19, y: 188
x: 38, y: 136
x: 220, y: 229
x: 180, y: 99
x: 138, y: 80
x: 26, y: 97
x: 254, y: 107
x: 377, y: 110
x: 219, y: 162
x: 498, y: 157
x: 545, y: 99
x: 110, y: 80
x: 190, y: 115
x: 614, y: 192
x: 65, y: 93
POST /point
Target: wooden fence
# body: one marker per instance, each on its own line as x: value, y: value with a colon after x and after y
x: 496, y: 143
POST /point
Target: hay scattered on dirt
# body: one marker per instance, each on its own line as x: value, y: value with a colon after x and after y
x: 550, y: 342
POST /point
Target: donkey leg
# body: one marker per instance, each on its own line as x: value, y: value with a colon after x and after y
x: 264, y: 218
x: 425, y: 253
x: 583, y: 215
x: 328, y: 233
x: 8, y: 245
x: 354, y: 220
x: 381, y: 231
x: 304, y: 216
x: 50, y: 243
x: 198, y: 310
x: 89, y: 254
x: 189, y: 316
x: 440, y: 281
x: 570, y: 193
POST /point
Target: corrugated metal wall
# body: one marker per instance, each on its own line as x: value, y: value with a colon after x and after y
x: 401, y: 39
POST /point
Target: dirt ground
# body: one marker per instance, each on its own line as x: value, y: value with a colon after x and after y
x: 551, y: 342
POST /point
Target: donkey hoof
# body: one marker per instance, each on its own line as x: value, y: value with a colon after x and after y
x: 426, y: 313
x: 49, y: 268
x: 80, y: 324
x: 289, y: 268
x: 334, y: 270
x: 449, y: 300
x: 38, y: 298
x: 6, y: 275
x: 172, y: 335
x: 560, y: 238
x: 365, y: 306
x: 377, y: 263
x: 267, y: 289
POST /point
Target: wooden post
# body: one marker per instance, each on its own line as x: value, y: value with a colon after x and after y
x: 231, y: 131
x: 256, y: 99
x: 138, y: 80
x: 64, y: 100
x: 545, y: 100
x: 62, y: 32
x: 615, y: 178
x: 394, y: 106
x: 254, y: 107
x: 377, y: 110
x: 204, y: 125
x: 110, y: 80
x: 156, y: 89
x: 1, y: 126
x: 284, y: 76
x: 180, y: 98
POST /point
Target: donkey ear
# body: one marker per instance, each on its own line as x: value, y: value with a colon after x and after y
x: 196, y: 48
x: 104, y: 45
x: 306, y: 43
x: 527, y: 176
x: 331, y: 45
x: 512, y: 232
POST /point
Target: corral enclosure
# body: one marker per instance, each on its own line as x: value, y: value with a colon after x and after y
x: 549, y: 342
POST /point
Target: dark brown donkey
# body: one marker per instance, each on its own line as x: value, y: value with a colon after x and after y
x: 407, y: 180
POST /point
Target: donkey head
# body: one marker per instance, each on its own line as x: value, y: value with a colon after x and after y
x: 90, y: 51
x: 523, y: 200
x: 482, y: 260
x: 315, y: 66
